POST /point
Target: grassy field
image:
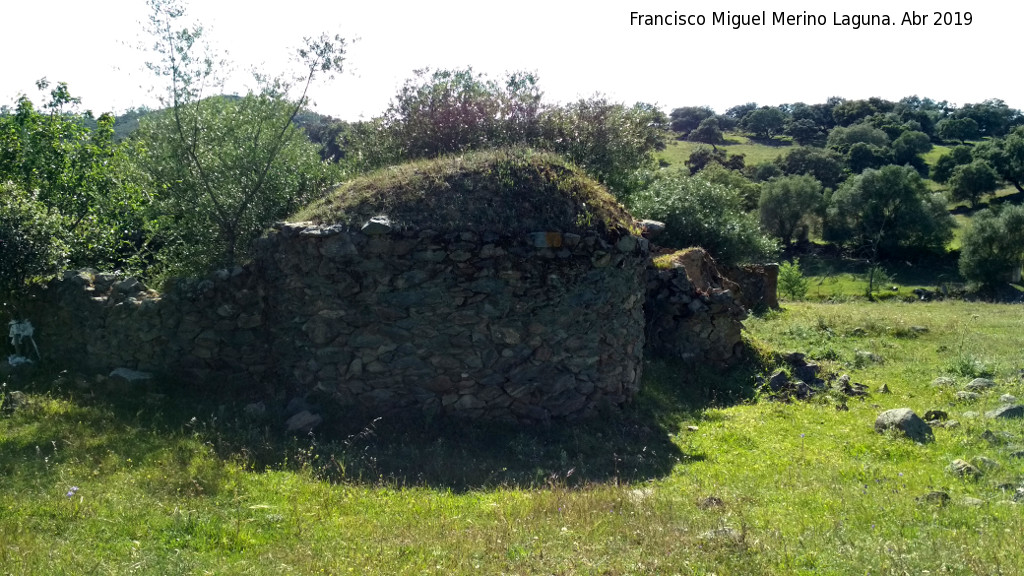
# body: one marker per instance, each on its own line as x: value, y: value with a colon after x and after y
x: 678, y: 151
x: 700, y: 476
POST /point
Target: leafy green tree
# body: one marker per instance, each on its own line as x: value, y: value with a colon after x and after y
x: 229, y: 166
x: 993, y: 117
x: 825, y: 165
x: 792, y: 281
x: 849, y: 112
x: 841, y: 139
x: 908, y: 148
x: 700, y: 213
x: 449, y: 111
x: 789, y: 204
x: 962, y: 129
x: 993, y: 246
x: 704, y: 156
x: 886, y: 212
x: 613, y: 142
x: 32, y: 238
x: 79, y: 174
x: 764, y: 122
x: 805, y: 131
x: 688, y: 118
x: 862, y: 156
x: 1006, y: 155
x: 946, y: 163
x: 970, y: 181
x: 763, y: 171
x: 748, y: 190
x: 708, y: 132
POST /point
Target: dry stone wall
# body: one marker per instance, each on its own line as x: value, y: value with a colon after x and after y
x: 462, y: 322
x: 693, y: 312
x: 527, y: 327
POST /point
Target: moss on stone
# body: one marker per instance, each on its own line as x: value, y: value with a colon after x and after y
x: 504, y: 191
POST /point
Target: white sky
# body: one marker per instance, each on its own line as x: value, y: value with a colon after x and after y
x: 577, y: 49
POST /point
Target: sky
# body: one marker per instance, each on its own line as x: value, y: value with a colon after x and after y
x: 577, y: 49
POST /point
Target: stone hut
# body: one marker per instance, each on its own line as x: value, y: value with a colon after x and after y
x: 498, y: 285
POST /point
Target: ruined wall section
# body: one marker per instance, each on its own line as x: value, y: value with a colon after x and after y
x: 460, y: 322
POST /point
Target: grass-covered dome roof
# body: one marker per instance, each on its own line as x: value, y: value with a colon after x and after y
x: 504, y: 191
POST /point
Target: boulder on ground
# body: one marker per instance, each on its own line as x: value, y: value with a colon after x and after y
x: 905, y: 421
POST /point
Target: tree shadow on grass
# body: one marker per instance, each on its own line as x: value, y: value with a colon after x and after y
x: 408, y: 449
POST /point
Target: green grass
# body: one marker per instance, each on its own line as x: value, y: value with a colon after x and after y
x: 501, y: 191
x: 677, y: 152
x: 184, y: 484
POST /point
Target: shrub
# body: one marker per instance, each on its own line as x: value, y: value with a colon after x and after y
x: 701, y: 213
x: 789, y: 203
x: 792, y: 282
x: 993, y: 245
x: 31, y: 238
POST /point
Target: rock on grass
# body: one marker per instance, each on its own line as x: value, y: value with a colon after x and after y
x: 905, y: 421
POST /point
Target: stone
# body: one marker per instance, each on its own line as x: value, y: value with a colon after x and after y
x: 943, y: 381
x: 936, y: 415
x: 710, y: 502
x: 937, y: 497
x: 964, y: 469
x: 652, y: 228
x: 1008, y: 399
x: 131, y: 376
x: 905, y: 421
x: 971, y: 501
x: 864, y: 356
x: 255, y: 411
x: 376, y: 226
x: 1006, y: 412
x: 303, y: 422
x: 985, y: 463
x: 965, y: 396
x: 998, y: 438
x: 979, y: 385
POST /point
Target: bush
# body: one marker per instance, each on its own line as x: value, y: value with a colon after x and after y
x: 701, y: 213
x: 993, y: 246
x: 31, y: 238
x: 792, y: 282
x: 886, y: 212
x: 789, y: 204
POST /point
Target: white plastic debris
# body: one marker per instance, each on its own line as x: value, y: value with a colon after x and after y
x: 19, y: 331
x: 15, y: 360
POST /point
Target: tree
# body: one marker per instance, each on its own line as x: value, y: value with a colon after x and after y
x: 764, y: 122
x: 1006, y: 155
x: 230, y: 166
x: 862, y: 156
x: 841, y: 139
x: 805, y: 131
x: 962, y: 129
x: 703, y: 156
x: 611, y: 141
x: 700, y: 213
x: 993, y: 246
x: 886, y: 212
x: 708, y: 132
x: 993, y: 117
x: 970, y: 181
x: 825, y: 165
x: 32, y: 238
x: 449, y: 111
x: 946, y: 163
x: 908, y: 147
x: 788, y: 204
x: 80, y: 175
x: 688, y: 118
